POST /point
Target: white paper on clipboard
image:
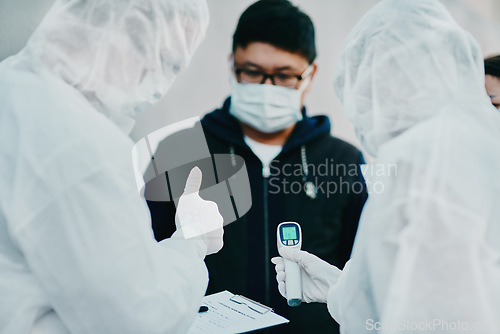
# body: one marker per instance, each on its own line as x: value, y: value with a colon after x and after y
x: 230, y: 314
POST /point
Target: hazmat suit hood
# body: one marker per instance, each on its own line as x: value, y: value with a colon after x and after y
x: 121, y: 55
x: 387, y: 81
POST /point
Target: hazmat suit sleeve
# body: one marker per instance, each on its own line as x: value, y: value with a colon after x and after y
x: 424, y: 260
x: 85, y: 233
x: 443, y: 259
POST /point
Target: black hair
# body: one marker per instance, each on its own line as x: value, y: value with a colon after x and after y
x: 492, y: 66
x: 279, y: 23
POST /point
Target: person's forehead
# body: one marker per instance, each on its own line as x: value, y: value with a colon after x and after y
x: 268, y: 57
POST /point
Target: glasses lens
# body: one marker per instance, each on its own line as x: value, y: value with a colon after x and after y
x: 250, y: 76
x: 286, y: 80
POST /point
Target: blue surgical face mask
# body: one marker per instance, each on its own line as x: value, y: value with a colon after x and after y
x: 266, y: 108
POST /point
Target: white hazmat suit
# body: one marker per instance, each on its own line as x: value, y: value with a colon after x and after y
x: 77, y: 253
x: 426, y: 258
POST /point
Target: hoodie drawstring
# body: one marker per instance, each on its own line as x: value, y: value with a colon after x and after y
x: 309, y: 186
x: 233, y: 156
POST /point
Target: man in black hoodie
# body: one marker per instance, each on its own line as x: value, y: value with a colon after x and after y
x: 297, y: 170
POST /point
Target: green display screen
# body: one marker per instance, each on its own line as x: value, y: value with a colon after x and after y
x: 289, y: 233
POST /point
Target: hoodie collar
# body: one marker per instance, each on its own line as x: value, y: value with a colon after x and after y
x: 220, y: 123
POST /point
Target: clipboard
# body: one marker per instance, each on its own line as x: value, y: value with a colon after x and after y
x: 231, y: 314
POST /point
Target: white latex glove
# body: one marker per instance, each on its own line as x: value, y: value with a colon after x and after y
x: 317, y: 275
x: 197, y: 218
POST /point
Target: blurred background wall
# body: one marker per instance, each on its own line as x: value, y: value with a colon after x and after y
x: 204, y: 85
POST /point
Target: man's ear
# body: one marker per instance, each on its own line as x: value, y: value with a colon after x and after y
x: 313, y: 73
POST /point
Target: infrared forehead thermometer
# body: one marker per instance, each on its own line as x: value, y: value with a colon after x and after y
x: 289, y: 235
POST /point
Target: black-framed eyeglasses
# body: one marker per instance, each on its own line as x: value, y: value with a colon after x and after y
x: 278, y: 79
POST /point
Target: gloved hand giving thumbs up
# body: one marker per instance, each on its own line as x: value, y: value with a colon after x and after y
x: 198, y: 218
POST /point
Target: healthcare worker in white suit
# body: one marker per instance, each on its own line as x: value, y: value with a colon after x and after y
x: 426, y: 258
x: 77, y: 253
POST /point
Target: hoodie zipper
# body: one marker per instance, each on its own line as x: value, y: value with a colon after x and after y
x: 265, y: 197
x: 266, y: 241
x: 311, y: 192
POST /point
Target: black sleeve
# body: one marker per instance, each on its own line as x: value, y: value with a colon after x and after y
x: 352, y: 212
x: 162, y: 219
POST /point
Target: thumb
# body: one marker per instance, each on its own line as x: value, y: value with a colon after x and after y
x: 193, y: 182
x: 289, y: 253
x: 295, y: 255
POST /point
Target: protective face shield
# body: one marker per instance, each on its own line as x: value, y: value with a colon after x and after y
x: 267, y: 108
x: 388, y: 82
x: 127, y: 53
